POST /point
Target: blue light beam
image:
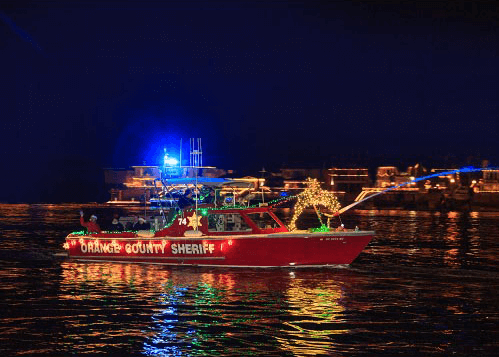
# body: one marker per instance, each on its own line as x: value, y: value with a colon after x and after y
x: 444, y: 173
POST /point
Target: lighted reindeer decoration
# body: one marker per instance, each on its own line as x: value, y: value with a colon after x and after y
x: 316, y: 197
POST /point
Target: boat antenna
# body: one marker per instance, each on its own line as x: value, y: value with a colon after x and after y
x: 145, y: 202
x: 196, y: 163
x: 263, y: 180
x: 196, y: 203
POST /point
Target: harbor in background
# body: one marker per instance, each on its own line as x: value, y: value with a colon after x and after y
x: 457, y: 191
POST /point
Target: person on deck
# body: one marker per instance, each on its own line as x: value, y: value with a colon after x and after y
x: 116, y: 225
x: 186, y: 200
x: 142, y: 225
x: 210, y: 197
x: 92, y: 226
x: 129, y: 225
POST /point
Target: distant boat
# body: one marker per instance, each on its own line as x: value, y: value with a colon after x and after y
x: 461, y: 194
x: 459, y: 198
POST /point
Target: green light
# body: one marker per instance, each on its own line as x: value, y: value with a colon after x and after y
x: 79, y: 233
x: 322, y: 228
x: 204, y: 211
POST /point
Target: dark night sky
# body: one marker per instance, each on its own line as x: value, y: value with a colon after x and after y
x: 93, y: 84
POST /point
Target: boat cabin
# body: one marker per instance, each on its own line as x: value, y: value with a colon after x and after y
x: 232, y: 221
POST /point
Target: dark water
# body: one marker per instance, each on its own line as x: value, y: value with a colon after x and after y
x: 426, y: 286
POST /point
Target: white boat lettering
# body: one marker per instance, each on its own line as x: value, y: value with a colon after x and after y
x: 98, y: 247
x: 190, y: 248
x: 144, y: 248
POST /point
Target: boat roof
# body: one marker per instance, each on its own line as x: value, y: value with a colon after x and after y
x: 205, y: 181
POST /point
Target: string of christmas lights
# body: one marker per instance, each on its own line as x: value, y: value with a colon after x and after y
x: 314, y: 196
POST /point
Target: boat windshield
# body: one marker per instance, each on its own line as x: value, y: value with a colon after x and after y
x: 263, y: 220
x: 227, y: 222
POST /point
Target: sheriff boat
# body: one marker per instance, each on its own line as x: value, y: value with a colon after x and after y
x: 226, y: 236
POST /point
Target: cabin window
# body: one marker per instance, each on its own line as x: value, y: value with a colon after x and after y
x: 227, y: 222
x: 263, y: 220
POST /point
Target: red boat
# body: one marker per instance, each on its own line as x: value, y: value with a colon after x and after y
x: 226, y: 236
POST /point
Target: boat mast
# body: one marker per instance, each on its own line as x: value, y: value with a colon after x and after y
x: 263, y: 180
x: 196, y: 161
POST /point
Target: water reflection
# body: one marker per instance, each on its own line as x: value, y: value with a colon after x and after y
x: 426, y: 285
x: 452, y: 239
x: 315, y: 313
x: 197, y: 312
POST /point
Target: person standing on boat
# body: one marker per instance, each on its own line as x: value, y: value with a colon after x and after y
x: 210, y: 197
x: 129, y: 226
x: 186, y: 200
x: 116, y: 225
x: 142, y: 225
x: 92, y: 226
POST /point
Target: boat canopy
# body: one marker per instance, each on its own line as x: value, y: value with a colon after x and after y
x: 206, y: 181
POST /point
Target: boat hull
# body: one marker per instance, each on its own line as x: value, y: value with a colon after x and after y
x: 255, y: 250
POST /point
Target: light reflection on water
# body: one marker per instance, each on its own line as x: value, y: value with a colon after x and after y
x: 427, y: 285
x: 193, y: 309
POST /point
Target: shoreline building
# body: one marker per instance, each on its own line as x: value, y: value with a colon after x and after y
x: 347, y: 183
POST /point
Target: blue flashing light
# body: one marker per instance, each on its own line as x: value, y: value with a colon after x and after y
x: 170, y: 161
x: 284, y: 194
